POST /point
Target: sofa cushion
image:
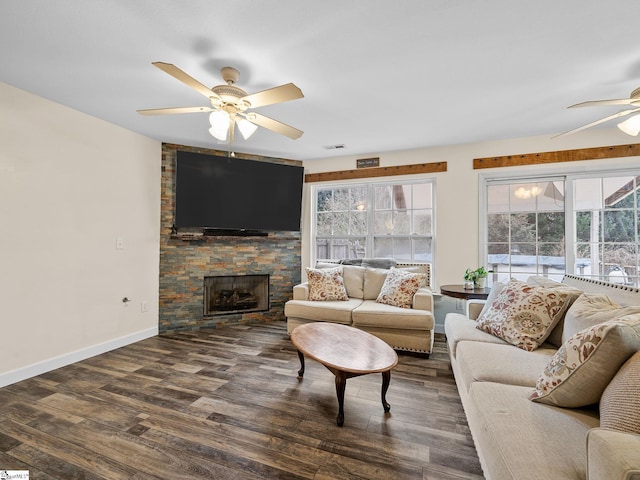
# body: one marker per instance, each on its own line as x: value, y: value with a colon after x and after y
x: 373, y: 314
x: 458, y: 328
x: 620, y: 402
x: 524, y: 315
x: 354, y: 281
x: 326, y: 284
x: 590, y: 309
x: 336, y: 311
x: 399, y: 288
x: 521, y: 440
x: 582, y: 368
x: 373, y: 280
x: 490, y: 362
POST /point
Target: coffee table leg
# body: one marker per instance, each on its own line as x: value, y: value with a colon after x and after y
x: 386, y: 378
x: 301, y: 357
x: 341, y: 383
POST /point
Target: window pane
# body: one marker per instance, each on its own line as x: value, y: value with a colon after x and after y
x: 618, y: 192
x: 619, y: 226
x: 497, y: 227
x: 324, y: 222
x: 498, y: 198
x: 422, y: 248
x: 588, y: 226
x: 523, y: 198
x: 341, y: 200
x: 422, y: 197
x: 382, y: 247
x: 402, y: 249
x: 383, y: 223
x: 325, y: 200
x: 551, y: 226
x: 383, y: 197
x: 341, y: 223
x: 422, y: 222
x: 401, y: 223
x: 552, y: 196
x: 588, y: 194
x: 523, y: 227
x: 358, y: 223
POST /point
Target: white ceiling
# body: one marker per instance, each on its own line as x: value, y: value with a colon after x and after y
x: 377, y: 75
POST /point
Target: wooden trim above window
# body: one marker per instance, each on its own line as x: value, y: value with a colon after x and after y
x: 376, y: 172
x: 596, y: 153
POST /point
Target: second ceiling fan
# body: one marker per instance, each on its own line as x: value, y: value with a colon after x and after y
x: 631, y: 126
x: 231, y: 106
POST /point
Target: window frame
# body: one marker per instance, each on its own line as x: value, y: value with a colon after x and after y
x: 569, y: 176
x: 370, y: 195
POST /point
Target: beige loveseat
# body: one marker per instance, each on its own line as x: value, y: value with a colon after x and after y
x: 407, y: 329
x: 520, y: 439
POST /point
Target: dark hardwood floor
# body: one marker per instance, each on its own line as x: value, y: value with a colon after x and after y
x: 226, y: 404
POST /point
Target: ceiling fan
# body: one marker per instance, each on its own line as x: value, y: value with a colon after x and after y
x: 230, y: 105
x: 630, y: 126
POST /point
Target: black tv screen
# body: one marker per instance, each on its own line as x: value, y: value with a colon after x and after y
x: 223, y: 193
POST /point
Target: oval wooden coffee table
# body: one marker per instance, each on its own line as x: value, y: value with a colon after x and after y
x: 347, y: 352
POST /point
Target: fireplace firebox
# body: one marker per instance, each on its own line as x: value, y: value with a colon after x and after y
x: 228, y: 294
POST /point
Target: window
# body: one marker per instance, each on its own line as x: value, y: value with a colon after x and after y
x: 587, y: 225
x: 374, y: 220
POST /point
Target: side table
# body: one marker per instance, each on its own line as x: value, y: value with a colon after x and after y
x: 458, y: 291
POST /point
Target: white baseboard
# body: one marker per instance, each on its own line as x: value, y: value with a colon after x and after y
x: 72, y: 357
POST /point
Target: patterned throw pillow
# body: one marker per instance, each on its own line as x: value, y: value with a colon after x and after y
x: 524, y: 315
x: 326, y: 284
x: 584, y: 365
x: 399, y: 288
x: 620, y: 402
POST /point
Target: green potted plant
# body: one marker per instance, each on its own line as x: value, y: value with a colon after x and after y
x: 469, y: 279
x: 475, y: 278
x: 481, y: 277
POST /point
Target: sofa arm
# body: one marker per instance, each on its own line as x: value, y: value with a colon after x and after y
x: 474, y: 307
x: 423, y: 299
x: 301, y: 292
x: 612, y: 455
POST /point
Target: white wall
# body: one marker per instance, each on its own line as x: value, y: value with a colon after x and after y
x: 456, y: 226
x: 70, y: 185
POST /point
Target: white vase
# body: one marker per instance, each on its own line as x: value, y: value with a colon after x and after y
x: 480, y: 282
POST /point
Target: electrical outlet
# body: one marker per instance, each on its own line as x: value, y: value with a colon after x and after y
x: 459, y: 305
x: 144, y: 306
x: 119, y: 243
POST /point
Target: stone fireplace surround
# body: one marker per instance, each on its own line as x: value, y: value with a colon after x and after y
x: 186, y: 260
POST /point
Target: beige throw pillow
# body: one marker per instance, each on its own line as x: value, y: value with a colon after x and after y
x: 591, y: 309
x: 326, y: 284
x: 582, y: 368
x: 399, y: 288
x: 620, y: 402
x: 524, y: 315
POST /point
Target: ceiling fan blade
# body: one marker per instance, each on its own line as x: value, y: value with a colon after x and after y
x: 274, y: 125
x: 280, y: 94
x: 188, y: 80
x: 172, y: 111
x: 599, y: 103
x: 621, y: 113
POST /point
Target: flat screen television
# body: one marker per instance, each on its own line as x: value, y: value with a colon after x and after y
x: 219, y: 193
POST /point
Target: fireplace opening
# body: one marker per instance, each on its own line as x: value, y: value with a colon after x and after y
x: 236, y: 294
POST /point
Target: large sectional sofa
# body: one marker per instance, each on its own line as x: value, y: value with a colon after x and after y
x: 526, y: 426
x: 407, y: 329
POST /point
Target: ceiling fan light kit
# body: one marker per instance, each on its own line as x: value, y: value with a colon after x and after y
x: 229, y: 105
x: 630, y: 126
